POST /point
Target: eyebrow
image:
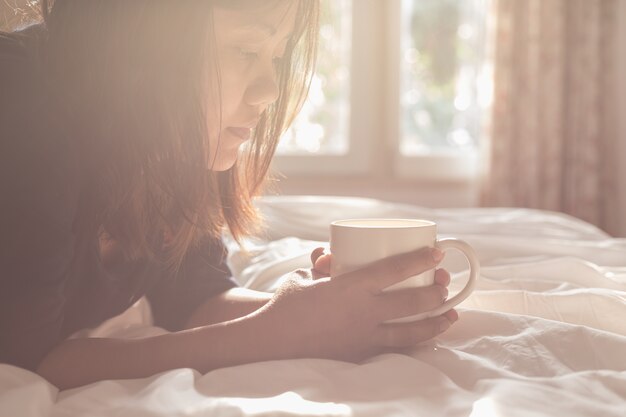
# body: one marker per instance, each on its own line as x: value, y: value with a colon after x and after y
x: 255, y: 28
x: 258, y: 27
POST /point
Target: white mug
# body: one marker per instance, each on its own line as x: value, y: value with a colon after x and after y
x: 355, y: 243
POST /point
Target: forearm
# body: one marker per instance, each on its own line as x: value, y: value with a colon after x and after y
x: 234, y: 303
x: 78, y: 362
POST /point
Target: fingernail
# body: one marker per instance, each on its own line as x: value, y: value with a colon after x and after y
x: 452, y: 316
x: 444, y: 325
x: 437, y: 254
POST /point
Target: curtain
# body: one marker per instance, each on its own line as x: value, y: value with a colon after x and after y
x: 553, y: 139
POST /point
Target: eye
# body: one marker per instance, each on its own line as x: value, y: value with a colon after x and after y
x: 247, y: 53
x: 278, y: 61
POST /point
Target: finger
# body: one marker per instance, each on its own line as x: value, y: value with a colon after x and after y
x: 410, y: 301
x: 452, y: 315
x: 404, y: 335
x: 317, y: 252
x: 321, y: 268
x: 320, y: 262
x: 442, y: 277
x: 385, y: 272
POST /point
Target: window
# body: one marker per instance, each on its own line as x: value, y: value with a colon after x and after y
x: 442, y: 55
x: 322, y: 125
x: 401, y: 84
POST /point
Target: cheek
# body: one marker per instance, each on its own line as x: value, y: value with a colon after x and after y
x: 226, y: 93
x: 225, y: 102
x: 233, y: 88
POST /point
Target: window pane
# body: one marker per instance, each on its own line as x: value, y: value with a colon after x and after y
x: 443, y: 74
x: 322, y: 125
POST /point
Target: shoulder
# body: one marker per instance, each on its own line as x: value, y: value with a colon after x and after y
x: 26, y: 118
x: 38, y: 161
x: 20, y: 50
x: 21, y: 69
x: 14, y: 69
x: 11, y: 48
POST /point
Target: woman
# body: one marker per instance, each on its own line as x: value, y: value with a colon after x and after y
x: 132, y: 134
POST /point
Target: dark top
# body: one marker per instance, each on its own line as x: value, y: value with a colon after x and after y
x: 45, y: 296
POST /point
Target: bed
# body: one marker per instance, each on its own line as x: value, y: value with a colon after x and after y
x: 544, y: 333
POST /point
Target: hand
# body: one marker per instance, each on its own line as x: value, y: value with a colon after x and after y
x: 320, y: 262
x: 343, y: 318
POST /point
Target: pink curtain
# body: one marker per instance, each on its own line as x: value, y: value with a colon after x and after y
x: 553, y: 137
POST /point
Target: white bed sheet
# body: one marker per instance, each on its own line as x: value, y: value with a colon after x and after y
x: 544, y: 334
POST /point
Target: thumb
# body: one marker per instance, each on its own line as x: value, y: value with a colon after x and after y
x: 321, y: 266
x: 317, y: 252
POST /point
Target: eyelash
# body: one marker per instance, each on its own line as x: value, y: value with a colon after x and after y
x: 246, y: 53
x: 250, y: 55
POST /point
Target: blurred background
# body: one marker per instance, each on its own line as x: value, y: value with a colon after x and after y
x: 457, y: 103
x: 464, y: 103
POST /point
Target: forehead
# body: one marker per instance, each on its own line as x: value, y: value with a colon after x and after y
x: 274, y: 19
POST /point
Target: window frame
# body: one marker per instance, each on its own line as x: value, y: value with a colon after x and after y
x: 374, y: 122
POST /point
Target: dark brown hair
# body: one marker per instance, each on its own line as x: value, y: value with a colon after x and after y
x: 130, y: 79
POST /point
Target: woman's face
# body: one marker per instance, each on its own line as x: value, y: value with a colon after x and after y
x: 249, y: 46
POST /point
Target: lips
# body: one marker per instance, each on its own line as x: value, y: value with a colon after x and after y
x: 242, y: 133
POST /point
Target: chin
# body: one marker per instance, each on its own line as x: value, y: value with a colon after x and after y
x: 223, y: 163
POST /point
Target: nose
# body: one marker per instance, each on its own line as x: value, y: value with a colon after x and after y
x: 263, y: 91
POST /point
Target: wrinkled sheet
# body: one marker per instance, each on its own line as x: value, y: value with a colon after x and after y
x: 544, y: 333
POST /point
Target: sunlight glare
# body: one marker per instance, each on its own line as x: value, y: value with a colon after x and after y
x: 288, y: 402
x: 485, y: 407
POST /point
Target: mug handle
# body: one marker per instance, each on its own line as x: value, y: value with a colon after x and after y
x: 445, y: 244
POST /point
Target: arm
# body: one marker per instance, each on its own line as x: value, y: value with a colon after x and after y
x: 78, y: 362
x: 304, y: 318
x: 239, y: 302
x: 231, y: 304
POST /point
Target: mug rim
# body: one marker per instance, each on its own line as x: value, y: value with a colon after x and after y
x: 409, y: 223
